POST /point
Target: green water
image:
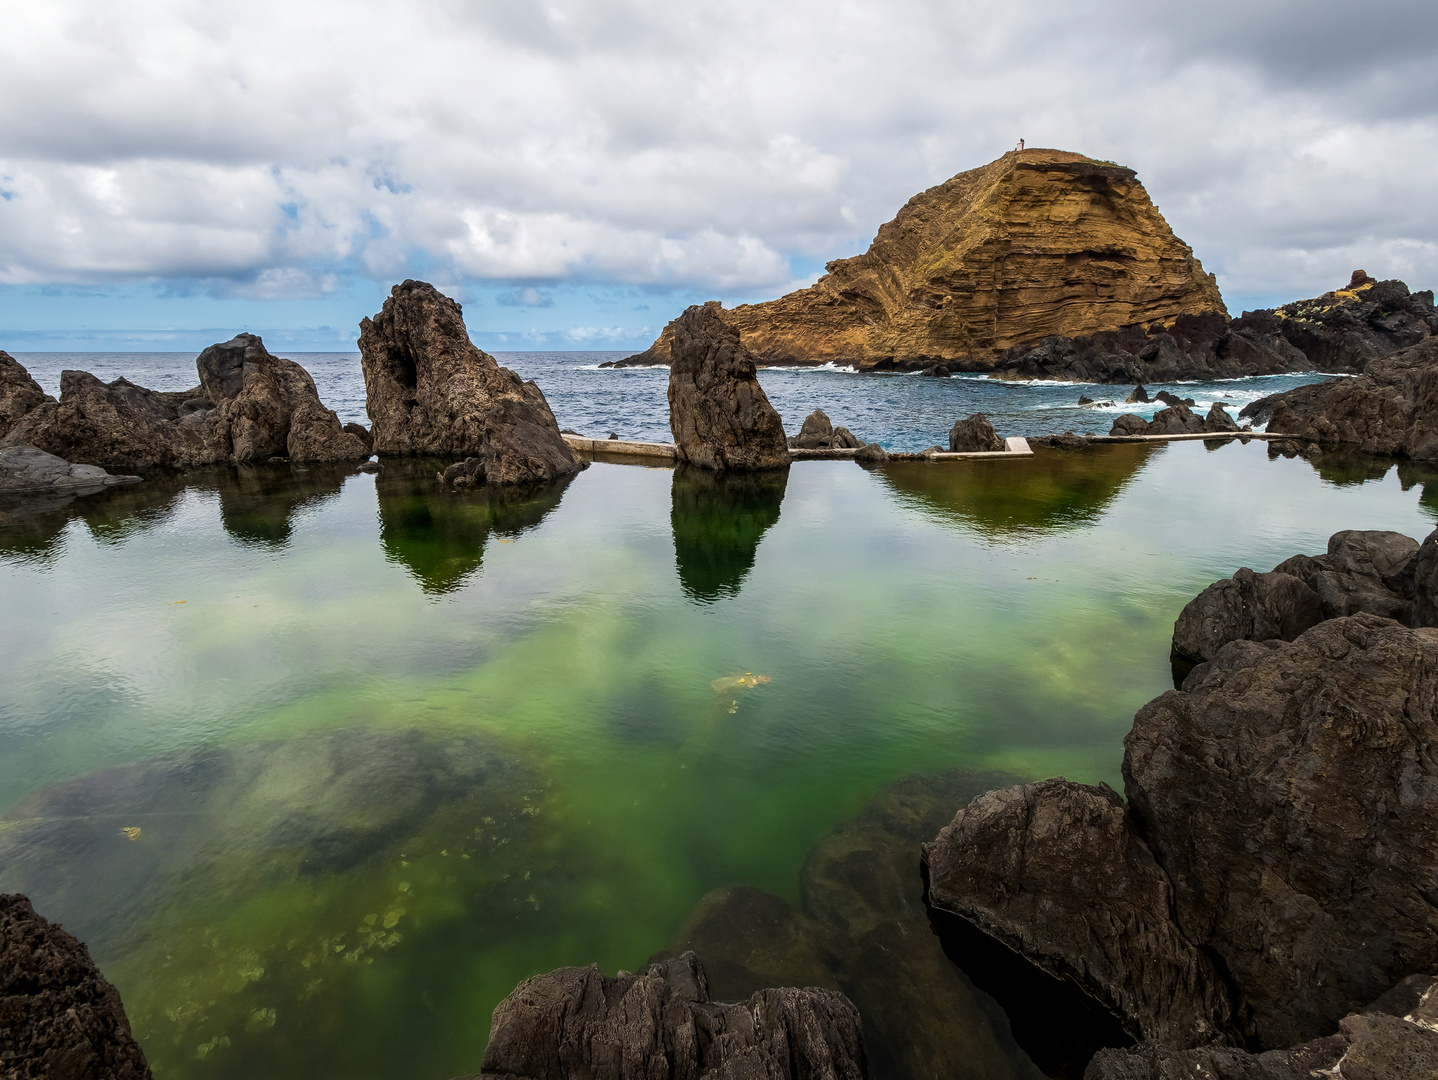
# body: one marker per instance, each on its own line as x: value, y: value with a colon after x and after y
x: 390, y: 750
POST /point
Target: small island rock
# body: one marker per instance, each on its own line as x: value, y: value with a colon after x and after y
x: 975, y: 434
x: 718, y: 412
x: 430, y: 390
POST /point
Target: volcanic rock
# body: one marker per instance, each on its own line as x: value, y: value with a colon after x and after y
x: 1065, y: 441
x: 59, y: 1017
x: 818, y: 433
x: 718, y: 412
x: 249, y: 406
x: 19, y: 393
x: 1288, y: 796
x: 28, y: 469
x: 577, y: 1022
x: 1176, y: 420
x: 1376, y: 572
x: 1341, y: 331
x: 1396, y: 1038
x: 975, y: 434
x: 1037, y: 243
x: 1139, y: 396
x: 1057, y: 872
x: 1391, y: 409
x: 871, y: 454
x: 429, y: 390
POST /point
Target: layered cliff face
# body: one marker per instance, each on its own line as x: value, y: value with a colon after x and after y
x: 1037, y: 243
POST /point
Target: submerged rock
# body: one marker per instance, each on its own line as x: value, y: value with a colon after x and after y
x: 1391, y: 409
x: 59, y: 1017
x: 250, y: 406
x: 975, y: 434
x: 1036, y: 243
x: 26, y: 469
x: 577, y: 1022
x: 718, y: 412
x: 429, y: 390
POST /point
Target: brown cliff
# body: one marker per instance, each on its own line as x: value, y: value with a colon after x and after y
x: 1037, y: 243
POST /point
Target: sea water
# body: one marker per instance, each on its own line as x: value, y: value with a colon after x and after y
x: 901, y: 411
x: 322, y: 764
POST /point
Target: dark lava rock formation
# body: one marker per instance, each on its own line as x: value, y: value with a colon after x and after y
x: 429, y: 390
x: 819, y: 433
x: 1177, y: 419
x: 718, y: 412
x: 1340, y: 331
x: 975, y: 434
x: 59, y: 1018
x: 1274, y: 868
x: 249, y: 406
x: 576, y: 1022
x: 1037, y: 243
x: 1380, y: 573
x: 1395, y: 1038
x: 1391, y: 409
x: 861, y: 928
x: 28, y: 470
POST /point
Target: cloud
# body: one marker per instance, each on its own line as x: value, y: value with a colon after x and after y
x: 269, y: 149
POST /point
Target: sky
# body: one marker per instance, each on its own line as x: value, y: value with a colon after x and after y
x: 576, y: 172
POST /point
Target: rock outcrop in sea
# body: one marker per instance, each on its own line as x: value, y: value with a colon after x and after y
x: 819, y: 433
x: 59, y: 1017
x: 1341, y: 331
x: 430, y: 390
x: 975, y: 435
x: 1036, y: 243
x: 1273, y: 870
x: 1391, y: 409
x: 249, y: 406
x: 578, y: 1022
x: 1177, y: 419
x: 718, y: 412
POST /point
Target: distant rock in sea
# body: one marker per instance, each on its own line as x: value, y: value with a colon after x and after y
x: 1036, y: 243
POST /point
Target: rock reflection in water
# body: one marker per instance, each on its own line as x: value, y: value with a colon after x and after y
x: 249, y: 900
x: 718, y: 520
x: 862, y: 927
x: 439, y: 533
x: 258, y: 505
x: 1054, y: 489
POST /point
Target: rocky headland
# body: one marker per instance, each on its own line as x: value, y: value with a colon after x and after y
x: 1391, y: 409
x: 430, y: 391
x: 1343, y: 331
x: 1034, y: 244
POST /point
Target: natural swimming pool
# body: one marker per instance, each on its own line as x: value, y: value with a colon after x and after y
x: 321, y: 765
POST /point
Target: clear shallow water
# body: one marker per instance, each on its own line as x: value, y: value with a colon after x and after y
x: 390, y: 750
x: 901, y: 411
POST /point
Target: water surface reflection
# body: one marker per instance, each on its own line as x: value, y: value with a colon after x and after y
x: 718, y: 520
